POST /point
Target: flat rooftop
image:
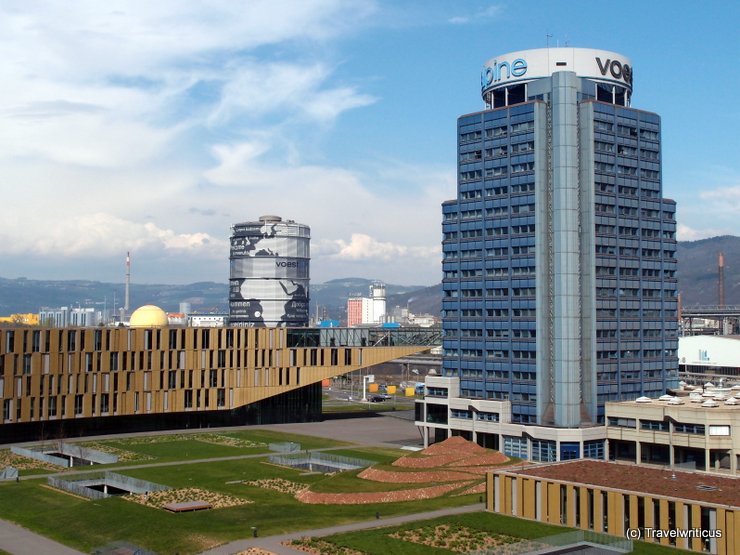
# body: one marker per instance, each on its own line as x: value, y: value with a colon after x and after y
x: 692, y: 486
x: 690, y: 405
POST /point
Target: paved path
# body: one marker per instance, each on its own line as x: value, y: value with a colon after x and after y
x: 21, y: 541
x: 274, y: 543
x: 387, y: 429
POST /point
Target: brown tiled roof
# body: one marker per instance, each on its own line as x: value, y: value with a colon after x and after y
x: 642, y: 479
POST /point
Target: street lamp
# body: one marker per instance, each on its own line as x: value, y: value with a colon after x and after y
x: 370, y: 378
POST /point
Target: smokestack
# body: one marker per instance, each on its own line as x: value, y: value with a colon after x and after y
x: 721, y: 287
x: 128, y: 281
x: 123, y: 311
x: 680, y: 308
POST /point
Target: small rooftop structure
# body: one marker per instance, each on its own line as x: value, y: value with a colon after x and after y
x: 148, y: 316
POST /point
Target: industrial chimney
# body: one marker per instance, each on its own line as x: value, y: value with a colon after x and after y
x: 721, y: 287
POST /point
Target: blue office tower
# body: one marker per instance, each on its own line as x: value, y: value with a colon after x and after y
x: 559, y: 251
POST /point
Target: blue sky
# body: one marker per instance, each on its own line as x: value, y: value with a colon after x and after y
x: 152, y: 127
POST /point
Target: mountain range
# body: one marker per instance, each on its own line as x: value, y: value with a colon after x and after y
x: 697, y: 278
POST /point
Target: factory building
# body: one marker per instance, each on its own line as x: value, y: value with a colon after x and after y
x: 709, y: 358
x: 64, y: 316
x: 269, y: 273
x: 368, y: 310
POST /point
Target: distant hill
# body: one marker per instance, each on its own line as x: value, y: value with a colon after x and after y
x: 27, y: 295
x: 697, y: 275
x: 333, y: 295
x: 697, y: 270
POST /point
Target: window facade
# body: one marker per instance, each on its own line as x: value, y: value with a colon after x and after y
x: 490, y: 252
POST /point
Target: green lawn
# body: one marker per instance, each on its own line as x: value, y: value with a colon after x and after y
x: 376, y: 454
x: 85, y: 524
x: 378, y: 541
x: 204, y: 445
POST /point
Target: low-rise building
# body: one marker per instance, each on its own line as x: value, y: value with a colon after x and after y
x: 443, y: 413
x: 688, y: 510
x: 695, y: 432
x: 58, y: 382
x: 692, y: 431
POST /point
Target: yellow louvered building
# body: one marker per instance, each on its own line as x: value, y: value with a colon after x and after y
x: 74, y: 381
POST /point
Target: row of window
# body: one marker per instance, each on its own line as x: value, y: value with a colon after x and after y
x: 628, y: 211
x: 475, y: 175
x: 620, y: 169
x: 634, y: 354
x: 657, y: 425
x: 103, y: 340
x: 628, y: 313
x: 633, y: 293
x: 648, y: 190
x: 493, y: 292
x: 628, y: 334
x: 497, y: 152
x: 497, y: 132
x: 518, y: 271
x: 626, y: 150
x: 627, y: 130
x: 530, y: 208
x: 101, y: 404
x: 497, y: 313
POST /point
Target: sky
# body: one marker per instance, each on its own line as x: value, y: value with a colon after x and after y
x: 152, y: 127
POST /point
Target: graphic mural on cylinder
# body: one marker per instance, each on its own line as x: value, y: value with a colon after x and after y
x: 269, y: 273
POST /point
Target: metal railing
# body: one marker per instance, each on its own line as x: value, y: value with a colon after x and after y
x: 576, y: 537
x: 363, y: 337
x: 285, y: 447
x: 82, y: 484
x: 334, y: 462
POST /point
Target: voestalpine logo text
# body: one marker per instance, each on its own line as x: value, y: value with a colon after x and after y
x: 502, y: 70
x: 617, y: 69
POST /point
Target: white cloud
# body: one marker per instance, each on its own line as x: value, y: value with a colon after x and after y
x: 728, y: 196
x: 119, y: 37
x: 364, y: 247
x: 387, y: 214
x: 686, y: 233
x: 91, y: 140
x: 102, y: 234
x: 484, y: 14
x: 253, y: 90
x: 108, y: 109
x: 153, y: 127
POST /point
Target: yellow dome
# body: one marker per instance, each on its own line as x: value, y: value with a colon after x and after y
x: 148, y: 316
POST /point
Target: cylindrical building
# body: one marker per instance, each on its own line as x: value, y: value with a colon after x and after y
x: 269, y: 276
x: 377, y: 294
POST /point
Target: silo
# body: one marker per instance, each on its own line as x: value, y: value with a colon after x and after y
x: 377, y: 294
x: 269, y: 275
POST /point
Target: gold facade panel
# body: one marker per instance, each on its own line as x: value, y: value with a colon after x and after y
x: 662, y: 513
x: 53, y: 374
